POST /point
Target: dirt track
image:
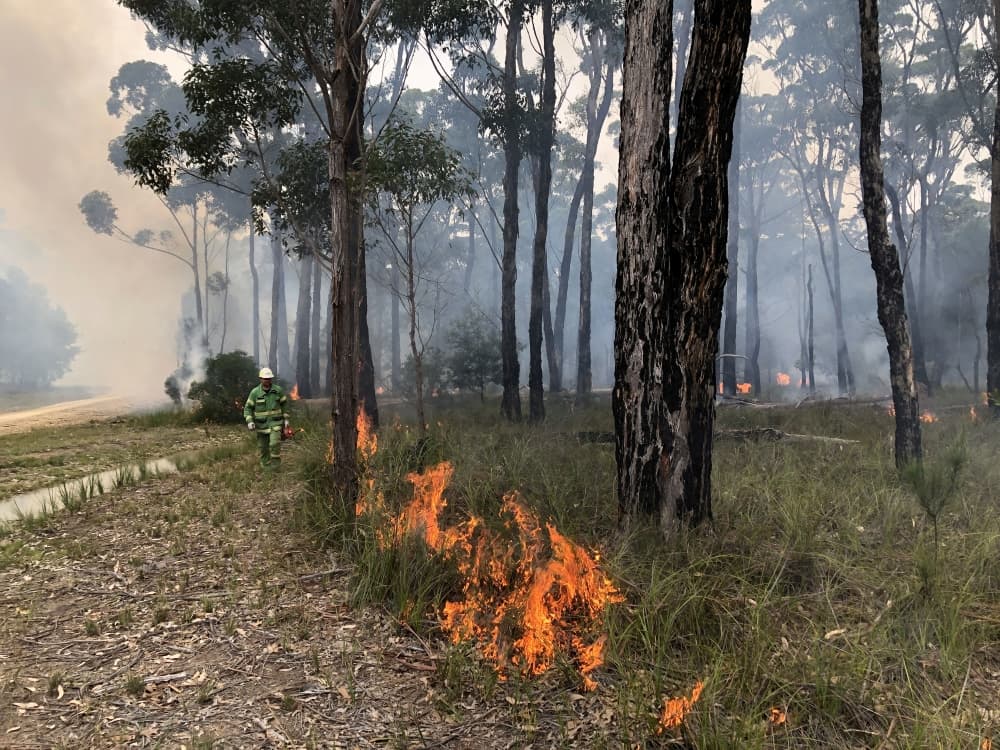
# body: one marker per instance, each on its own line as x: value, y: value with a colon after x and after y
x: 67, y: 412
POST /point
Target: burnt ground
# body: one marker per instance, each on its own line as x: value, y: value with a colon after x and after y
x: 188, y: 612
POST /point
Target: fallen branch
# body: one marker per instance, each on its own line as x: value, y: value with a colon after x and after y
x: 758, y: 434
x: 157, y: 679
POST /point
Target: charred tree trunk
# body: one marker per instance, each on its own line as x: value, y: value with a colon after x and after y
x: 415, y: 349
x: 732, y: 260
x: 510, y: 404
x: 539, y: 266
x: 993, y: 299
x: 366, y: 374
x: 672, y: 227
x: 303, y: 318
x: 255, y: 290
x: 885, y: 259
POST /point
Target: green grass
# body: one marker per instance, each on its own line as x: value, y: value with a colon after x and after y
x: 818, y: 589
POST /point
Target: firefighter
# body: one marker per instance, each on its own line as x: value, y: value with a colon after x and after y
x: 266, y: 412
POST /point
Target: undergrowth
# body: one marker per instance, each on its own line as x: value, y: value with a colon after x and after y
x: 825, y: 592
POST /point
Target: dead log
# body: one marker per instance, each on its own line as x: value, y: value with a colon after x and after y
x: 770, y: 434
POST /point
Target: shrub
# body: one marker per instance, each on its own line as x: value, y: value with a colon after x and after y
x: 474, y: 359
x: 228, y: 380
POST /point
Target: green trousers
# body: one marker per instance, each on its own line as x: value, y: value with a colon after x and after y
x: 269, y: 444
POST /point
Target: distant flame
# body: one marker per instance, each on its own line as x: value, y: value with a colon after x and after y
x: 972, y: 414
x: 721, y: 387
x: 776, y: 717
x: 675, y: 710
x: 783, y: 378
x: 928, y: 417
x: 528, y: 592
x: 380, y: 390
x: 743, y: 387
x: 294, y: 393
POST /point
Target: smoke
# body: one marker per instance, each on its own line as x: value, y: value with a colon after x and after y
x: 55, y: 64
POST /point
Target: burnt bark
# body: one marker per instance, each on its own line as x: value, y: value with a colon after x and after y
x: 672, y: 226
x: 303, y: 319
x: 919, y: 366
x: 810, y: 338
x: 539, y: 265
x: 395, y: 354
x: 510, y: 404
x: 276, y: 300
x: 751, y: 366
x: 884, y: 257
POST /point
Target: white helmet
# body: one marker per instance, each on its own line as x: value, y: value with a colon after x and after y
x: 265, y: 374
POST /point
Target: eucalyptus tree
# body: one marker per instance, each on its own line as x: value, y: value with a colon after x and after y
x: 884, y: 257
x: 308, y: 56
x: 813, y: 54
x: 672, y: 225
x: 411, y: 171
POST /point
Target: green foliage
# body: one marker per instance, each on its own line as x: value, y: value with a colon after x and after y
x: 436, y: 372
x: 474, y: 359
x: 37, y: 341
x: 229, y: 377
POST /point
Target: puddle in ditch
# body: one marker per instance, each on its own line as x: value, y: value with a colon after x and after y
x: 49, y: 499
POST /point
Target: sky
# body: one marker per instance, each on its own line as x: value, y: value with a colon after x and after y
x: 56, y: 59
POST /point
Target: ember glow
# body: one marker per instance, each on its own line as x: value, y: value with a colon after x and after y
x: 294, y: 393
x: 743, y: 387
x: 783, y: 378
x: 528, y: 592
x: 928, y: 417
x: 675, y: 710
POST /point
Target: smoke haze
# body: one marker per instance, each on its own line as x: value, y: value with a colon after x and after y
x: 55, y: 65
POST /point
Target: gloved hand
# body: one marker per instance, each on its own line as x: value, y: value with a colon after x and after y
x: 251, y: 426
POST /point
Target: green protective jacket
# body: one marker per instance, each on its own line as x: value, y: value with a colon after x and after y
x: 267, y: 410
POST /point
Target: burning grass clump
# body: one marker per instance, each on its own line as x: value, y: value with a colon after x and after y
x: 520, y: 588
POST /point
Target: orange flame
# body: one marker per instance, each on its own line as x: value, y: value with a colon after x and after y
x: 528, y: 592
x: 972, y: 414
x: 928, y: 417
x: 776, y: 717
x: 380, y: 390
x: 743, y: 387
x: 675, y: 710
x: 783, y: 378
x: 294, y: 393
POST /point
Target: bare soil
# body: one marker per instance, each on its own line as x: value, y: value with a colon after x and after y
x: 64, y: 413
x: 187, y: 612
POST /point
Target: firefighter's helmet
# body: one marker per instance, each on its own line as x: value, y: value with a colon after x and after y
x: 265, y: 374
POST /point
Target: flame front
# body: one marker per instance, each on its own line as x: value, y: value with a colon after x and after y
x: 675, y: 710
x: 928, y: 417
x: 783, y: 378
x: 527, y: 593
x: 743, y: 387
x: 294, y: 393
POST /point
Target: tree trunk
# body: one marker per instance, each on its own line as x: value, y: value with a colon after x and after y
x: 366, y: 376
x: 919, y: 368
x: 810, y: 338
x: 225, y: 297
x: 255, y: 287
x: 885, y: 260
x: 470, y: 253
x: 993, y: 299
x: 595, y: 124
x: 199, y: 313
x: 733, y: 268
x: 562, y: 293
x: 415, y: 353
x: 397, y: 366
x: 845, y: 370
x: 751, y: 366
x: 315, y: 332
x: 344, y: 113
x: 276, y: 282
x: 539, y: 266
x: 303, y: 318
x: 510, y: 404
x: 672, y: 228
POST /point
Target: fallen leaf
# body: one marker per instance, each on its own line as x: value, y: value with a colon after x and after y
x: 834, y: 633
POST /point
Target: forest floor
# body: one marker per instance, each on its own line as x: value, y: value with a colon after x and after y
x: 189, y: 612
x: 204, y: 609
